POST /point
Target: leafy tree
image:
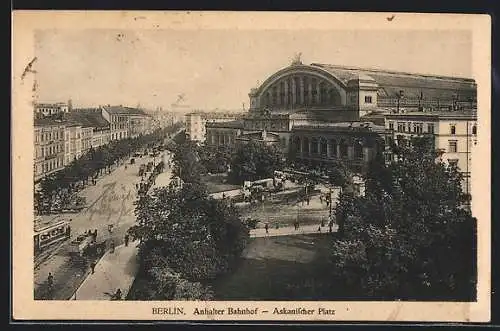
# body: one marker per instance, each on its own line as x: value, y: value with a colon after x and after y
x: 412, y: 237
x: 187, y: 165
x: 254, y: 160
x: 215, y: 159
x: 198, y: 237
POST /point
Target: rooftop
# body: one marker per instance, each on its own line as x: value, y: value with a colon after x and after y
x: 48, y: 122
x: 89, y: 117
x: 237, y: 124
x: 344, y: 126
x: 124, y: 110
x: 414, y: 85
x: 440, y: 114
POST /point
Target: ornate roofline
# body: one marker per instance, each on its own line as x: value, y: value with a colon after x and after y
x: 301, y: 69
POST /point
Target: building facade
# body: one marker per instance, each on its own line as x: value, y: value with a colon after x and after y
x: 92, y: 118
x: 453, y: 133
x: 72, y: 142
x: 119, y: 121
x: 196, y: 122
x: 140, y: 123
x: 338, y: 112
x: 354, y: 144
x: 48, y: 109
x: 48, y: 147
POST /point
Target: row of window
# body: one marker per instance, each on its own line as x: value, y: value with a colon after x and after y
x: 334, y: 149
x: 266, y: 125
x: 412, y: 127
x: 48, y: 166
x: 49, y: 150
x: 49, y: 136
x: 419, y: 127
x: 320, y: 93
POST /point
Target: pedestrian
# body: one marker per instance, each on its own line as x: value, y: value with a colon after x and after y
x: 331, y: 226
x: 267, y: 228
x: 50, y: 284
x: 322, y: 223
x: 126, y: 240
x: 92, y: 267
x: 321, y: 199
x: 50, y: 280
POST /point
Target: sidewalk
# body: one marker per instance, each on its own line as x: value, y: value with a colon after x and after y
x: 290, y: 231
x: 113, y: 271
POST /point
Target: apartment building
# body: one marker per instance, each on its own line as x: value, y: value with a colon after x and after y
x: 48, y: 147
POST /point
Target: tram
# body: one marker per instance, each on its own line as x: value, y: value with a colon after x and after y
x: 51, y: 234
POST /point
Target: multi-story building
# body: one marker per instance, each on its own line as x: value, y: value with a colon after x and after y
x: 49, y: 147
x: 354, y: 144
x: 333, y: 103
x: 119, y: 121
x: 196, y: 122
x: 92, y: 117
x: 140, y: 123
x: 195, y: 126
x: 72, y: 142
x: 453, y: 133
x: 47, y: 109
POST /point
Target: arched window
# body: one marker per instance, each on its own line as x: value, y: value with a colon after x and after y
x: 314, y: 92
x: 331, y: 96
x: 322, y: 93
x: 333, y: 148
x: 296, y: 144
x: 282, y: 93
x: 474, y: 129
x: 314, y: 146
x: 306, y: 91
x: 297, y: 89
x: 343, y: 149
x: 305, y: 146
x: 358, y: 149
x: 323, y: 147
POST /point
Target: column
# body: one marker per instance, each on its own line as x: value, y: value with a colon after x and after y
x: 286, y: 93
x: 309, y: 92
x: 278, y: 93
x: 310, y: 142
x: 294, y: 92
x: 319, y: 146
x: 338, y: 150
x: 350, y: 152
x: 301, y: 90
x: 366, y: 154
x: 318, y: 92
x: 301, y: 147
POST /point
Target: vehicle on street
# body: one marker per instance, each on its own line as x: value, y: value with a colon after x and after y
x: 49, y: 235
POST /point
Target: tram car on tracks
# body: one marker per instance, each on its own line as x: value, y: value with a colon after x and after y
x: 51, y: 234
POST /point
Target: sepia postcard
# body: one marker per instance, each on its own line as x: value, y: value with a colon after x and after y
x: 250, y: 166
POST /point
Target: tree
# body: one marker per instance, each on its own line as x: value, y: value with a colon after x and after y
x: 186, y: 161
x: 254, y: 160
x: 198, y: 237
x: 412, y: 237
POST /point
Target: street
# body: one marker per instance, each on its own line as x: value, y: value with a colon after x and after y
x: 110, y: 201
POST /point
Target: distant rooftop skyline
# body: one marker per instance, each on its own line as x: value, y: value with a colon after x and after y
x: 209, y: 69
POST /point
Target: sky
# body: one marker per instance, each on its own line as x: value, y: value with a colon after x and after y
x: 217, y: 68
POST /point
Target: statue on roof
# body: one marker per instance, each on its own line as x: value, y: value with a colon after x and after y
x: 297, y: 58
